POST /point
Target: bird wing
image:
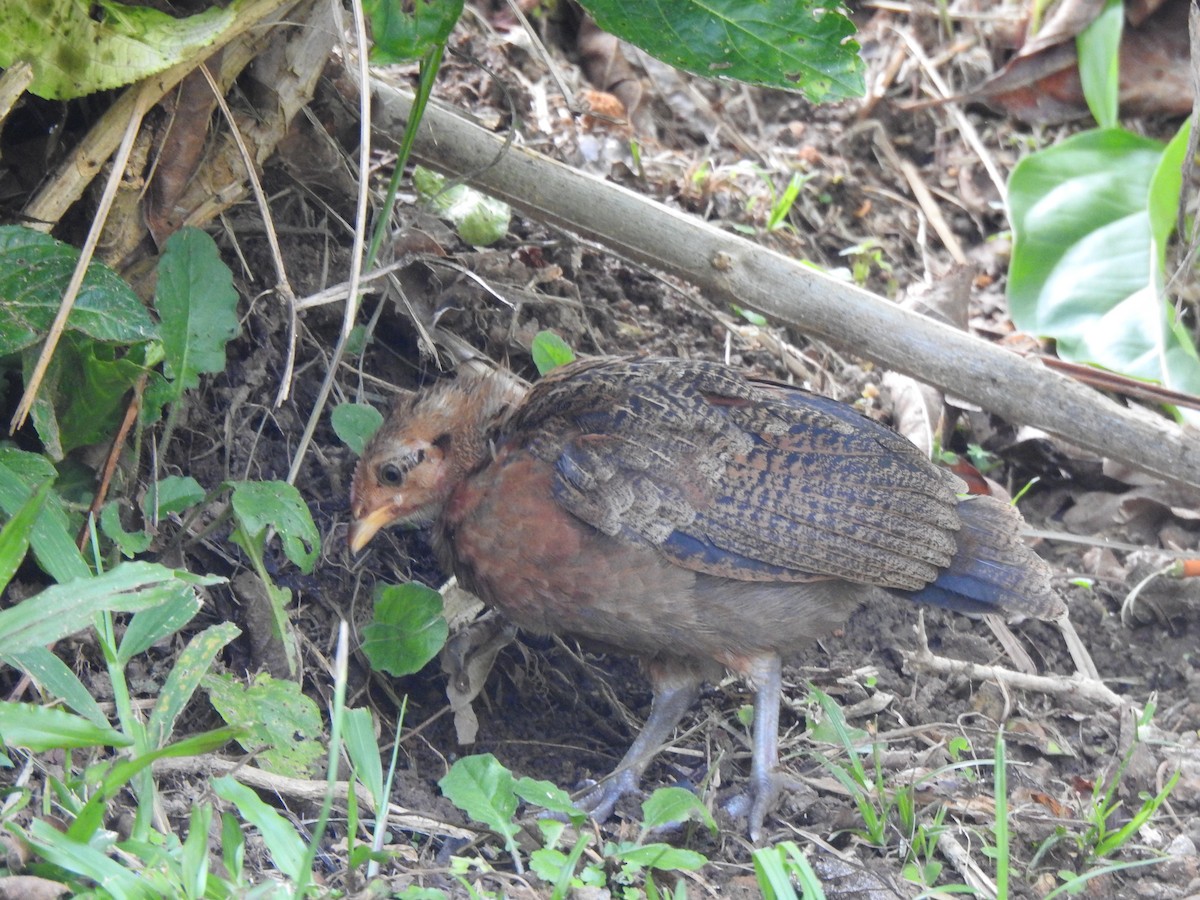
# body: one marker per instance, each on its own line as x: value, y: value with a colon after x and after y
x: 735, y: 477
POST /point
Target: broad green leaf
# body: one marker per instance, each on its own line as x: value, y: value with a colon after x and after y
x: 483, y: 789
x: 480, y: 220
x: 130, y: 543
x: 42, y: 728
x: 274, y: 713
x: 1099, y: 47
x: 354, y: 423
x: 173, y: 494
x: 777, y: 869
x: 53, y: 547
x: 66, y: 608
x: 88, y: 861
x: 86, y: 390
x: 550, y: 351
x: 259, y: 505
x: 189, y: 669
x: 14, y: 538
x: 804, y: 45
x: 1090, y: 217
x: 152, y: 625
x: 362, y: 747
x: 34, y: 271
x: 194, y: 861
x: 408, y: 629
x: 399, y: 34
x: 283, y: 843
x: 198, y: 305
x: 673, y: 804
x: 549, y: 796
x: 84, y: 393
x: 78, y: 48
x: 662, y: 856
x: 55, y: 677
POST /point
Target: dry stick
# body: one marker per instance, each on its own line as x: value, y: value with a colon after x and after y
x: 735, y: 270
x: 350, y: 313
x: 1056, y: 685
x: 13, y: 82
x: 283, y: 284
x: 110, y: 462
x: 306, y: 790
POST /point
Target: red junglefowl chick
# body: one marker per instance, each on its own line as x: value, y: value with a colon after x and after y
x: 689, y: 515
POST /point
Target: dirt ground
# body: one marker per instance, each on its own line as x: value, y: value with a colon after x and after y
x: 722, y: 152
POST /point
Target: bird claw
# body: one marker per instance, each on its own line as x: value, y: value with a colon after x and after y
x: 601, y: 801
x: 755, y: 802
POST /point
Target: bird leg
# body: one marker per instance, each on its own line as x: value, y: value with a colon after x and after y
x: 675, y: 690
x: 766, y: 674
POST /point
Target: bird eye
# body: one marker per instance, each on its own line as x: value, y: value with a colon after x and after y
x: 390, y: 474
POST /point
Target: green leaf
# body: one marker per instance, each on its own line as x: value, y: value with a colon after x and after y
x: 34, y: 272
x: 88, y: 861
x: 363, y: 749
x: 283, y: 843
x: 480, y: 220
x: 55, y: 677
x: 550, y: 351
x: 354, y: 423
x: 194, y: 862
x: 123, y: 771
x: 84, y: 394
x: 186, y: 674
x: 259, y: 505
x: 549, y: 796
x: 173, y: 494
x: 408, y: 630
x: 64, y: 609
x: 152, y: 625
x: 750, y: 315
x: 42, y: 728
x: 483, y: 789
x: 130, y: 543
x: 673, y: 804
x: 400, y: 36
x: 1090, y: 218
x: 662, y: 856
x: 78, y: 48
x: 274, y: 713
x: 805, y: 45
x: 1099, y: 49
x: 53, y: 547
x: 14, y: 539
x: 198, y: 305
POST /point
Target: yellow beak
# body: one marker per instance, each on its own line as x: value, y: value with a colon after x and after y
x: 362, y: 530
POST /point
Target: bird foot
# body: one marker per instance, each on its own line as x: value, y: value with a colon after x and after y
x: 756, y: 801
x: 601, y: 801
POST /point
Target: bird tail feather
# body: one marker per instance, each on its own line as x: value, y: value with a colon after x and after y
x: 993, y: 571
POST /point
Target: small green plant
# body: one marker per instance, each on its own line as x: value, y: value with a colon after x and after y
x: 885, y: 810
x: 1104, y: 836
x: 780, y: 867
x: 488, y: 793
x: 782, y: 205
x: 865, y: 259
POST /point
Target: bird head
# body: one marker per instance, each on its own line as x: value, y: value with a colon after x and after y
x: 428, y: 444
